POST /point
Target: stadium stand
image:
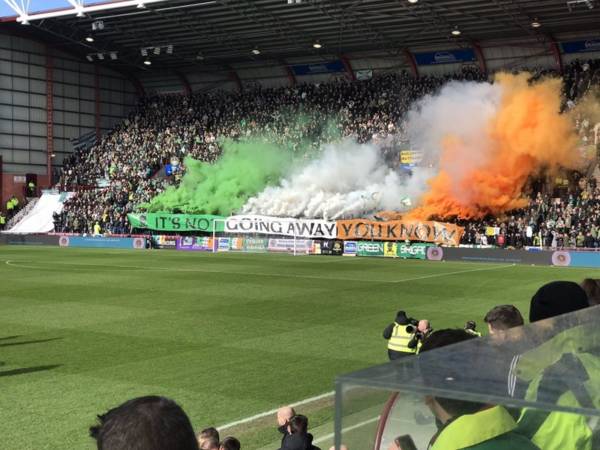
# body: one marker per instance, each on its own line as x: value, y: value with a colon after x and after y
x: 523, y: 386
x: 129, y: 161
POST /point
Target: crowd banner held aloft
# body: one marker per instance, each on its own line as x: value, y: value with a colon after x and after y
x: 414, y: 251
x: 176, y: 222
x: 400, y: 230
x: 302, y: 228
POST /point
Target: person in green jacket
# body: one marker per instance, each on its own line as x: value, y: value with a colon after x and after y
x: 466, y: 424
x: 561, y: 370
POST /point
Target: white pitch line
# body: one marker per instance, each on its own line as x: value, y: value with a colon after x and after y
x: 280, y: 275
x: 435, y: 275
x: 273, y: 411
x: 353, y: 427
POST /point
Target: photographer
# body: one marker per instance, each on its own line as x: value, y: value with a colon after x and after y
x: 471, y: 328
x: 399, y: 335
x: 421, y: 332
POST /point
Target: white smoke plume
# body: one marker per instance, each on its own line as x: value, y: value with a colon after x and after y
x: 460, y: 109
x: 351, y: 180
x: 347, y: 180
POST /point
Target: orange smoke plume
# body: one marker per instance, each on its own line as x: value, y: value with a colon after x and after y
x: 525, y: 135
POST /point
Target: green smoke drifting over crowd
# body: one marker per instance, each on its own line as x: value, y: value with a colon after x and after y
x: 243, y: 170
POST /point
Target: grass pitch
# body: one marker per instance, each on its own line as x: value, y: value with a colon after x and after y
x: 227, y: 336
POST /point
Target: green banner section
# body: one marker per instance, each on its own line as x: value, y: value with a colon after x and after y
x: 413, y: 251
x: 175, y: 222
x: 370, y: 248
x: 392, y: 249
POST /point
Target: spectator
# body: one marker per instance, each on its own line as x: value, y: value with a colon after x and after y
x: 466, y: 424
x: 284, y: 415
x: 423, y: 330
x: 471, y: 328
x: 564, y: 380
x: 591, y: 287
x: 298, y: 437
x: 145, y: 423
x: 230, y: 443
x: 503, y: 317
x: 208, y: 439
x: 557, y: 298
x: 399, y: 334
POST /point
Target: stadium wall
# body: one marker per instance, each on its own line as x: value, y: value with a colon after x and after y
x: 47, y: 98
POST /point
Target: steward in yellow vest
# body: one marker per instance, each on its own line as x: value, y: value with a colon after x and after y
x: 399, y: 334
x: 466, y: 424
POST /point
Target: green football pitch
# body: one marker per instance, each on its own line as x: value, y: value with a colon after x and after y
x: 228, y: 336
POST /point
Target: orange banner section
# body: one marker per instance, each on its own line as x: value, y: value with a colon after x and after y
x: 400, y: 230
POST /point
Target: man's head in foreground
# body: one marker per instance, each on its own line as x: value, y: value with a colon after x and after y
x: 503, y: 317
x: 145, y: 423
x: 208, y: 439
x: 444, y: 408
x: 557, y: 298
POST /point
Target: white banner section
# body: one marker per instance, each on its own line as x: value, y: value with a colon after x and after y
x: 301, y: 228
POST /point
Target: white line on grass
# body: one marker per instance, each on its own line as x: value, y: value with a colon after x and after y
x: 344, y: 430
x: 273, y: 411
x: 435, y: 275
x: 279, y: 275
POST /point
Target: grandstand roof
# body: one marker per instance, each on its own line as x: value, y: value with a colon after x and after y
x: 224, y: 32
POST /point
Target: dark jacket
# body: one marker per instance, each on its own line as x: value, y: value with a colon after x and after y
x: 297, y: 441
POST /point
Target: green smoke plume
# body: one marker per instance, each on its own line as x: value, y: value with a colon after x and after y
x: 246, y: 167
x: 243, y: 170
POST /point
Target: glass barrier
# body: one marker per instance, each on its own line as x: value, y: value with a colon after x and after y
x: 539, y: 383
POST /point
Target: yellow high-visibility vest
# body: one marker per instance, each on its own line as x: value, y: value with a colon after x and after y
x: 400, y: 339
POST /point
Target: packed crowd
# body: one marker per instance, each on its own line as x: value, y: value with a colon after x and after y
x: 144, y: 154
x: 565, y: 371
x: 567, y: 217
x: 163, y: 130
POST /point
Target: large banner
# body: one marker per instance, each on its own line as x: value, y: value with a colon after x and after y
x: 400, y: 230
x: 301, y: 228
x: 175, y: 222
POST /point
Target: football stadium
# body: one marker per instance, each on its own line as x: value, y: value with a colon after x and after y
x: 300, y: 224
